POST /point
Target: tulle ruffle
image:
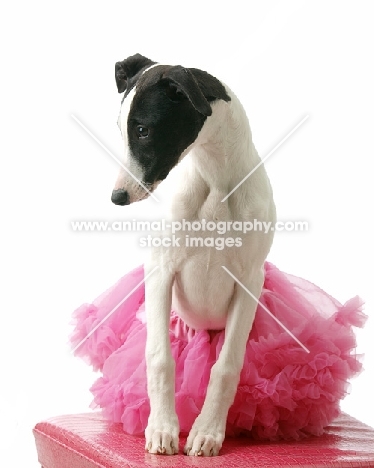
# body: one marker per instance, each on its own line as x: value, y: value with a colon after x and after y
x: 284, y: 392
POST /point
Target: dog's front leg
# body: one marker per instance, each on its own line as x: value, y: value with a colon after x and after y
x: 208, y: 430
x: 162, y: 432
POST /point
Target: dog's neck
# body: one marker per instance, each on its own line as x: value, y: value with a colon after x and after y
x: 225, y: 144
x: 221, y: 156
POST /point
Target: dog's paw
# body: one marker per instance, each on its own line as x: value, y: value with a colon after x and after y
x: 205, y: 440
x: 162, y: 438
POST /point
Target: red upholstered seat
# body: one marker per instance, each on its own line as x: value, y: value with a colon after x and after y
x: 88, y: 441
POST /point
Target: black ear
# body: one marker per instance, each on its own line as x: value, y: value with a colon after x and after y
x: 182, y: 81
x: 128, y: 68
x: 211, y: 87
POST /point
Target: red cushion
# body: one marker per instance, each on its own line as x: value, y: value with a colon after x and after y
x: 88, y: 441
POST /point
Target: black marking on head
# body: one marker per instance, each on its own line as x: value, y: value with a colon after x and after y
x: 129, y: 70
x: 171, y: 120
x: 169, y: 108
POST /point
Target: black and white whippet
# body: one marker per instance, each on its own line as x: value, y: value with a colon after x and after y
x: 167, y: 113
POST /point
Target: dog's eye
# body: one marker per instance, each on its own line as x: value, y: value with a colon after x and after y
x: 142, y: 131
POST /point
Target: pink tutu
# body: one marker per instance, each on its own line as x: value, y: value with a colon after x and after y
x: 284, y: 392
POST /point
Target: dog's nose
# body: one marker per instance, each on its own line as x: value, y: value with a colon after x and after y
x: 120, y: 197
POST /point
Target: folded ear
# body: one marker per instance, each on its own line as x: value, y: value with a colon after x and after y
x: 211, y: 87
x: 182, y: 81
x: 128, y: 68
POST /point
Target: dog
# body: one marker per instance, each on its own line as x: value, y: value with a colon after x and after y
x: 169, y: 113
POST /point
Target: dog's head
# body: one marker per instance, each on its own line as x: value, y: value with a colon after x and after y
x: 163, y: 110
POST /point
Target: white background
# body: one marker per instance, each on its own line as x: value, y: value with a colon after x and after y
x: 283, y: 59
